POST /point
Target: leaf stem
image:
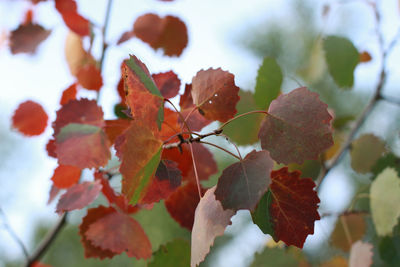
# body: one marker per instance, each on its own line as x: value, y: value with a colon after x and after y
x: 179, y: 114
x: 242, y: 115
x: 223, y: 149
x: 195, y: 170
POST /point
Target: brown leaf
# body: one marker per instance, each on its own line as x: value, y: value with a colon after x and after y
x: 27, y: 37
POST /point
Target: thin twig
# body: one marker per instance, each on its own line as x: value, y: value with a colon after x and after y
x: 195, y: 170
x: 179, y: 114
x: 45, y: 243
x: 13, y: 234
x: 221, y: 148
x: 241, y: 115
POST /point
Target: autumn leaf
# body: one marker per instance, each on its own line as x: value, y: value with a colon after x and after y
x: 94, y: 214
x: 243, y: 183
x: 215, y: 94
x: 269, y: 81
x: 139, y: 149
x: 30, y: 118
x: 290, y: 209
x: 361, y: 254
x: 274, y: 257
x: 78, y: 196
x: 89, y: 77
x: 118, y: 232
x: 143, y: 97
x: 65, y: 176
x: 75, y: 54
x: 167, y: 179
x: 342, y: 58
x: 168, y: 83
x: 75, y: 22
x: 115, y: 128
x: 210, y: 221
x: 168, y: 33
x: 297, y: 127
x: 182, y: 204
x: 69, y: 94
x: 27, y: 37
x: 365, y: 57
x: 173, y: 254
x: 354, y: 224
x: 365, y: 151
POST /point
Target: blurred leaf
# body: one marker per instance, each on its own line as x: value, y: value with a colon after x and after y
x: 354, y: 224
x: 360, y: 254
x: 388, y: 160
x: 365, y: 151
x: 274, y: 257
x: 172, y: 254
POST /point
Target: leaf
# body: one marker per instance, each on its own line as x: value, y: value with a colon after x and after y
x: 30, y: 118
x: 118, y: 232
x: 354, y: 223
x: 292, y: 208
x: 365, y: 151
x: 65, y: 176
x: 365, y: 57
x: 89, y: 76
x: 75, y: 54
x: 167, y: 179
x: 342, y: 58
x: 75, y: 22
x: 51, y: 148
x: 168, y: 33
x: 139, y: 149
x: 243, y: 183
x: 115, y: 128
x: 168, y: 83
x: 268, y: 85
x: 210, y: 221
x: 389, y: 248
x: 215, y: 94
x: 244, y: 130
x: 384, y: 200
x: 182, y: 204
x: 94, y: 214
x: 27, y: 37
x: 68, y: 94
x: 388, y: 160
x: 297, y: 127
x: 361, y: 254
x: 143, y: 96
x: 78, y: 196
x: 337, y: 261
x: 82, y: 145
x: 271, y: 257
x: 173, y: 254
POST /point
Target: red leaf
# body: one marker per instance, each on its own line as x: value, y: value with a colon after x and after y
x: 125, y: 37
x: 121, y: 91
x: 142, y: 95
x: 170, y: 125
x: 66, y: 176
x: 167, y: 179
x: 27, y: 37
x: 215, y: 94
x: 78, y: 196
x: 68, y: 94
x: 242, y: 184
x: 39, y: 264
x: 168, y: 83
x: 89, y: 76
x: 182, y: 204
x: 139, y: 149
x: 51, y: 148
x: 365, y: 57
x: 114, y: 128
x: 80, y: 140
x: 92, y: 251
x: 53, y: 193
x: 30, y: 118
x: 169, y: 33
x: 69, y: 11
x: 293, y: 208
x: 210, y: 221
x: 186, y: 100
x: 118, y: 232
x: 297, y: 127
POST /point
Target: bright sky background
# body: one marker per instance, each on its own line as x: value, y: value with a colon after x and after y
x: 214, y: 27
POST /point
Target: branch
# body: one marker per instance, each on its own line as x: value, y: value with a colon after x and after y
x: 49, y: 238
x: 13, y: 234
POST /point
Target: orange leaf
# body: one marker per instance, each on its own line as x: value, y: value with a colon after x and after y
x: 168, y: 83
x: 69, y: 11
x: 30, y: 118
x: 68, y: 94
x: 114, y: 128
x: 365, y: 57
x: 215, y: 94
x: 65, y: 176
x: 89, y: 77
x: 168, y: 33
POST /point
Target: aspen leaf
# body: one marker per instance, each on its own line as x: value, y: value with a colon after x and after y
x: 173, y: 254
x: 75, y: 22
x: 215, y: 94
x: 68, y: 94
x: 27, y: 37
x: 210, y: 221
x: 297, y: 127
x: 89, y: 77
x: 115, y: 128
x: 242, y: 184
x: 365, y: 57
x: 361, y: 254
x: 75, y: 54
x: 384, y: 201
x: 356, y: 226
x: 365, y: 151
x: 168, y: 83
x: 388, y: 160
x: 30, y: 118
x: 65, y: 176
x: 272, y: 257
x: 78, y: 196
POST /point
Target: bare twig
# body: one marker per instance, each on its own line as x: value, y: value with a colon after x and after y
x: 13, y: 234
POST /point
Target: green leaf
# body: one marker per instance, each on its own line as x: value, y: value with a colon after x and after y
x: 273, y: 257
x: 389, y: 248
x: 173, y: 254
x: 76, y: 129
x: 342, y: 58
x: 389, y: 160
x: 261, y: 215
x: 269, y: 81
x: 244, y: 130
x: 385, y: 199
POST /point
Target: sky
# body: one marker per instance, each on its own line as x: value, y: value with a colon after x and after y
x: 214, y: 31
